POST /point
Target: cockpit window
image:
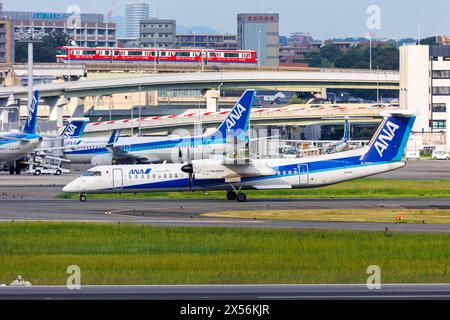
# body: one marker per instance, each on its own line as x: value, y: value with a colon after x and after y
x: 92, y: 174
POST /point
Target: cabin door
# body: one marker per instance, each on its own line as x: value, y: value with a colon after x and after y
x: 117, y: 178
x: 303, y: 174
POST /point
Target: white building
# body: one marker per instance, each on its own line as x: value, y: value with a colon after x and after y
x: 135, y: 11
x: 425, y: 88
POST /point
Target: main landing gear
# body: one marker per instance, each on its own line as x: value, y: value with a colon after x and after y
x: 239, y: 196
x: 83, y: 198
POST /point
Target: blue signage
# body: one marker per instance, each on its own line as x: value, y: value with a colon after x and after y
x: 49, y: 15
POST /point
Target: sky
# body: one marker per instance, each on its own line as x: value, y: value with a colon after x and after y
x: 324, y: 19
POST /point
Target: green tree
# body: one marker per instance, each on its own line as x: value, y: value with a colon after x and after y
x: 44, y: 51
x: 330, y: 53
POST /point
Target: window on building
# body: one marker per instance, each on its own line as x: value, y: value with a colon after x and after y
x: 441, y: 91
x: 439, y: 124
x: 439, y: 107
x: 441, y: 74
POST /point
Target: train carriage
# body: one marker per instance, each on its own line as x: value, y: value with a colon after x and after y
x: 80, y: 54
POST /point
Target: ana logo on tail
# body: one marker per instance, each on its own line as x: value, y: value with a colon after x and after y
x: 235, y: 116
x: 386, y: 136
x: 32, y: 110
x: 70, y: 131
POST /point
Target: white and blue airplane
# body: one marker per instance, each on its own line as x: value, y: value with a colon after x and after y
x: 15, y: 145
x: 132, y: 150
x: 342, y: 144
x: 383, y: 154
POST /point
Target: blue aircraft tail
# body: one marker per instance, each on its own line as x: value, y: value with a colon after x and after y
x: 30, y: 125
x: 235, y: 124
x: 113, y: 138
x: 389, y: 142
x: 346, y: 130
x: 74, y: 129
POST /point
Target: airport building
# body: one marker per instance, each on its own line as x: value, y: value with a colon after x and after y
x: 425, y: 89
x: 135, y: 11
x: 159, y: 33
x: 260, y: 32
x: 87, y: 30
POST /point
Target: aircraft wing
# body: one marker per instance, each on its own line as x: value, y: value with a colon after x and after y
x: 232, y: 170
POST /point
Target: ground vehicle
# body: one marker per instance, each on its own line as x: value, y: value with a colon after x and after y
x: 412, y: 155
x: 440, y: 155
x: 47, y: 165
x: 157, y: 55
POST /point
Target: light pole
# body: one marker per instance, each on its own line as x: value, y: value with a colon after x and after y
x: 156, y: 51
x: 30, y: 38
x: 259, y: 49
x: 369, y: 35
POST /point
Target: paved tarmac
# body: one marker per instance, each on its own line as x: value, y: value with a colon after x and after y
x: 231, y: 292
x: 188, y: 212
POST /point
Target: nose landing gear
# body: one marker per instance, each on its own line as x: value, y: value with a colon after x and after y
x: 83, y: 198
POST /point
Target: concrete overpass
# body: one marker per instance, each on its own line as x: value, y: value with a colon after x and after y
x: 284, y: 80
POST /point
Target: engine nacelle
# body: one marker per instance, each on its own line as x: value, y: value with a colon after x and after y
x: 103, y: 160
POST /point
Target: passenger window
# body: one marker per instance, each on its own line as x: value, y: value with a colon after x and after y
x: 278, y: 173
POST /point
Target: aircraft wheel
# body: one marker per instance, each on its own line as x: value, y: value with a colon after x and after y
x: 83, y: 198
x: 241, y: 197
x: 18, y: 170
x: 231, y: 195
x: 11, y: 170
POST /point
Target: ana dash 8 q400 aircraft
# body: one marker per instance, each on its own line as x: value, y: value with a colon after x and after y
x: 15, y: 145
x: 131, y: 150
x: 383, y: 154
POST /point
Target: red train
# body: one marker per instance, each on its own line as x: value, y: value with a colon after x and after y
x: 65, y: 54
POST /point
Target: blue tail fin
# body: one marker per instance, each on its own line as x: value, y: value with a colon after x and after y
x: 114, y: 137
x: 74, y: 129
x: 30, y: 125
x: 236, y: 123
x: 346, y: 130
x: 389, y: 142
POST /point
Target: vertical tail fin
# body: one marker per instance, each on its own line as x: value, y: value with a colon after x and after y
x: 389, y: 142
x: 346, y: 130
x: 114, y: 137
x: 235, y: 124
x: 74, y: 129
x: 30, y: 125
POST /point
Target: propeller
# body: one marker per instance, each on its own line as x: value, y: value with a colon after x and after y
x: 189, y: 168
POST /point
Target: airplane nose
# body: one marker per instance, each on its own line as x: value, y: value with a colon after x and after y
x: 71, y: 187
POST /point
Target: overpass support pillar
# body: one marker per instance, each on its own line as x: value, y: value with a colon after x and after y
x: 56, y: 105
x: 211, y: 97
x: 153, y: 98
x: 76, y: 107
x: 323, y: 93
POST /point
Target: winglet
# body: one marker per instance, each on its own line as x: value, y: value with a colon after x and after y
x: 30, y: 125
x: 114, y: 137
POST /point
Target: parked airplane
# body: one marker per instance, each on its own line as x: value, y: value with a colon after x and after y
x: 342, y: 144
x: 383, y: 154
x: 159, y: 149
x: 15, y: 145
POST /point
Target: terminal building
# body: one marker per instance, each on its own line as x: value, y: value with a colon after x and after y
x: 425, y: 89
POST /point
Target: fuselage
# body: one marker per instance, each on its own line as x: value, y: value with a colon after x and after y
x: 287, y: 173
x: 20, y: 145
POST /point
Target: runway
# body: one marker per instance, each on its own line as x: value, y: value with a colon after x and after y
x: 230, y: 292
x: 188, y: 212
x: 32, y: 198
